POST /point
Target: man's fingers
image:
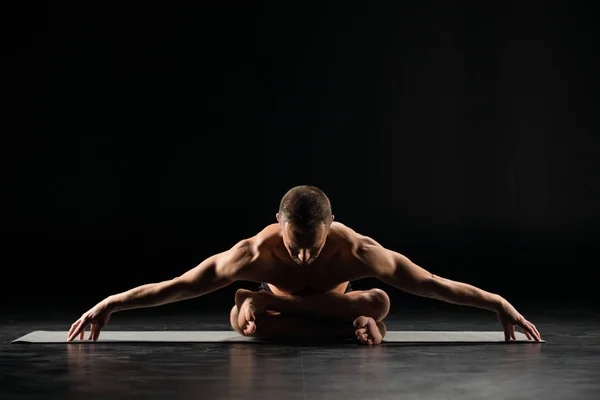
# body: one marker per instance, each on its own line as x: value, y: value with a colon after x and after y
x: 506, y: 334
x: 75, y: 329
x: 539, y: 337
x: 528, y: 331
x: 96, y: 333
x: 528, y: 327
x: 535, y: 332
x: 92, y: 329
x: 512, y: 332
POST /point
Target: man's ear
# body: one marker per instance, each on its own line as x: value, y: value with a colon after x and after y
x: 277, y: 216
x: 332, y: 217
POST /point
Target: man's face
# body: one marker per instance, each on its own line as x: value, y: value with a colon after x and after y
x: 304, y: 246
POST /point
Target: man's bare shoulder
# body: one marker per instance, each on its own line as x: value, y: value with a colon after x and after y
x: 359, y: 252
x: 247, y: 256
x: 349, y: 239
x: 261, y: 244
x: 267, y: 238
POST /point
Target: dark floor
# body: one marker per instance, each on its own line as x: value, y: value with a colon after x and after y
x: 566, y: 367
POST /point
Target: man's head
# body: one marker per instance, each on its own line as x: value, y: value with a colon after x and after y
x: 305, y: 218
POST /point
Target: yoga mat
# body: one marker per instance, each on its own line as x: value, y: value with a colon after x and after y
x: 231, y: 336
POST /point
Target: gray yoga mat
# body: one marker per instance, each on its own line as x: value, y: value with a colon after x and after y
x: 231, y: 336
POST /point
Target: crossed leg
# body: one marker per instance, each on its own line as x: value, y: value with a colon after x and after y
x: 328, y: 315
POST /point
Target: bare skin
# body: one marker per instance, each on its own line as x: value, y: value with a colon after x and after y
x: 266, y: 325
x: 300, y: 266
x: 366, y: 309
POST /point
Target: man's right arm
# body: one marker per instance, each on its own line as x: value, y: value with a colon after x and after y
x: 213, y: 273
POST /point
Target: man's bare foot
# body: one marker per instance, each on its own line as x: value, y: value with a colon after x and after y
x: 248, y: 305
x: 369, y: 331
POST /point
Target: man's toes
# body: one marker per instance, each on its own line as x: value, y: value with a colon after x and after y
x: 361, y: 335
x: 368, y: 328
x: 249, y: 328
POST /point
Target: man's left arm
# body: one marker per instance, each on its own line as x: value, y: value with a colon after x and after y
x: 398, y: 271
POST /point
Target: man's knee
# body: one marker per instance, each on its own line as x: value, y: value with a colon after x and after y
x: 378, y: 303
x: 380, y: 297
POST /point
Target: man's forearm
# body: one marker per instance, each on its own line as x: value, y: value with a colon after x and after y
x: 149, y: 295
x: 461, y: 293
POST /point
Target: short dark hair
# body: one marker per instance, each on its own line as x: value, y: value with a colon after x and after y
x: 305, y: 206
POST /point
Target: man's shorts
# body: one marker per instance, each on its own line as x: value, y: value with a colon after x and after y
x: 265, y: 288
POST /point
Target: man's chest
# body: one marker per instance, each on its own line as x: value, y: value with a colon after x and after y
x: 318, y: 277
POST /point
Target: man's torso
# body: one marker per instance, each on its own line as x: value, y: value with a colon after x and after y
x: 335, y: 266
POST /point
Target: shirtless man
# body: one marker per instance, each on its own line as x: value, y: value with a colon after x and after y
x: 305, y: 263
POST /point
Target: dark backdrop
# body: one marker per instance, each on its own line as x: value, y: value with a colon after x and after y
x: 141, y: 139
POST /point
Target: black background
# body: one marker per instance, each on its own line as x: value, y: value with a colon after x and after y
x: 141, y: 139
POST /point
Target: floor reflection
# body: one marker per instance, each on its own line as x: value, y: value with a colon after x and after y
x: 232, y: 371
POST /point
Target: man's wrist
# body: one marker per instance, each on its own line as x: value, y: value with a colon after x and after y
x: 498, y: 303
x: 111, y: 303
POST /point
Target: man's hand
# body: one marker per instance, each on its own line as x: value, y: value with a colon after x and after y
x: 509, y: 317
x: 97, y: 317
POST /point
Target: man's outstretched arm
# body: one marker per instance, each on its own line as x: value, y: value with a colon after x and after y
x: 397, y: 270
x: 213, y: 273
x: 411, y: 278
